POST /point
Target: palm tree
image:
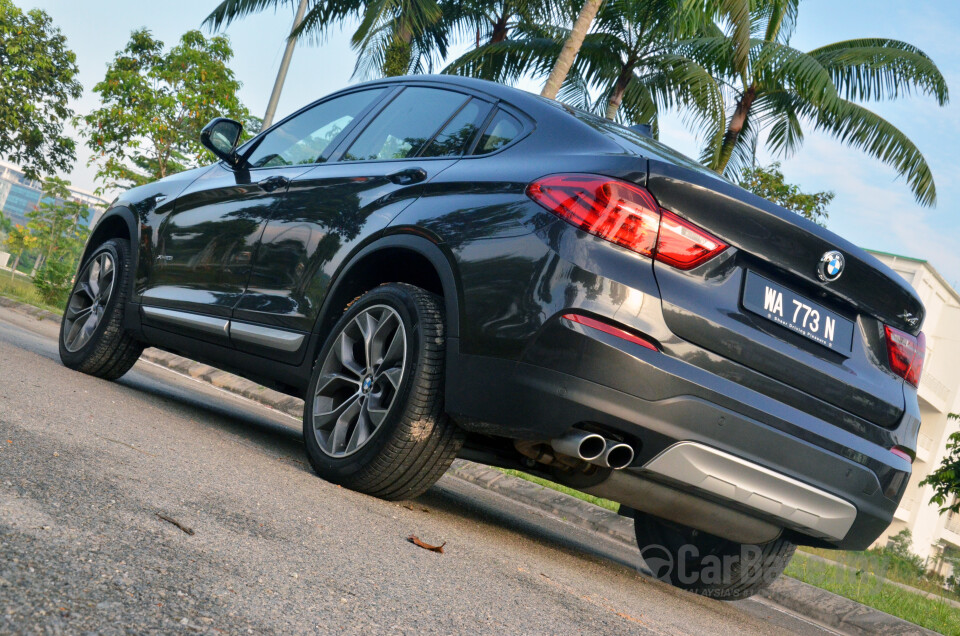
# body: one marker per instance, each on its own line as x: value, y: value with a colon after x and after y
x: 571, y: 47
x: 777, y: 88
x: 735, y: 12
x: 502, y: 30
x: 398, y: 37
x: 394, y: 37
x: 630, y: 60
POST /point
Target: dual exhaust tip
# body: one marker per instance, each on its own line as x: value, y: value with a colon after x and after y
x: 594, y: 449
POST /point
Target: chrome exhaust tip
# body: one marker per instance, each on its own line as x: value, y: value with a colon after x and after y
x: 586, y: 446
x: 617, y: 455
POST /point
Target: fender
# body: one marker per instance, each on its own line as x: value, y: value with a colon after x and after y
x: 415, y: 243
x: 108, y: 227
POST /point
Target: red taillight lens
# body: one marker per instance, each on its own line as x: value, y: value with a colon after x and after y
x: 683, y: 244
x: 627, y: 215
x: 906, y: 353
x: 617, y: 211
x: 610, y: 329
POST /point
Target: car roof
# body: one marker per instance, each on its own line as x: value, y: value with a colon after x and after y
x: 515, y: 96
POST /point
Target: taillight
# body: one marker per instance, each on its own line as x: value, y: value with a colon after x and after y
x: 906, y: 353
x: 625, y: 214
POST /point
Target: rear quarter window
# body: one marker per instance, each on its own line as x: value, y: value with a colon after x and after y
x: 501, y: 130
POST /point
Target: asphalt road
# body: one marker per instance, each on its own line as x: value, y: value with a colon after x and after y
x: 86, y: 467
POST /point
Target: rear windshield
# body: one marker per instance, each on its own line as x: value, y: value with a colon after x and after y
x: 632, y: 141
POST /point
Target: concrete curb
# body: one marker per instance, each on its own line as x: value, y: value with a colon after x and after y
x: 819, y: 605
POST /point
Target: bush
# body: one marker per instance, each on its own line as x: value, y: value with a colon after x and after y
x: 54, y: 281
x: 899, y: 557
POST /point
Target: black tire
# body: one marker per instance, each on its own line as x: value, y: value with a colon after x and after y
x: 706, y: 564
x: 415, y: 442
x: 111, y: 350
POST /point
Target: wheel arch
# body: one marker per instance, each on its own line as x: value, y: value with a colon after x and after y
x: 118, y: 222
x: 115, y: 223
x: 399, y: 258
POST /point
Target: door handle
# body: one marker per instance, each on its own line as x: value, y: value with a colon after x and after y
x: 273, y: 183
x: 408, y: 176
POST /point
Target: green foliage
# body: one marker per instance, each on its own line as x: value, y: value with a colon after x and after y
x: 769, y: 183
x: 630, y: 61
x: 37, y: 81
x: 869, y: 585
x: 56, y: 222
x: 779, y: 89
x: 18, y: 241
x: 946, y: 478
x: 154, y: 104
x: 898, y: 554
x: 54, y: 280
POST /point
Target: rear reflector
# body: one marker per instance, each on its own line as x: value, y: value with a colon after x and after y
x: 899, y: 452
x: 610, y: 329
x: 625, y: 214
x: 906, y: 353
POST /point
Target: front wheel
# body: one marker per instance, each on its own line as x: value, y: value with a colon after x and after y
x: 92, y: 337
x: 708, y: 565
x: 373, y: 419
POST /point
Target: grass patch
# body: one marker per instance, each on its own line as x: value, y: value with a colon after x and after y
x: 546, y: 483
x: 885, y: 566
x: 864, y: 586
x: 22, y: 289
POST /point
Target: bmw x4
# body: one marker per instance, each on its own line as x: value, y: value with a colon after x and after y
x: 444, y: 267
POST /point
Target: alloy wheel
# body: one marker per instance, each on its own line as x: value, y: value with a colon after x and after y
x: 89, y: 300
x: 359, y: 380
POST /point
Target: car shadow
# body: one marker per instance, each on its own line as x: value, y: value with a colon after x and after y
x: 280, y: 435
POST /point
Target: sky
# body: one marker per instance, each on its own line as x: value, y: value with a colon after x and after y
x: 872, y: 208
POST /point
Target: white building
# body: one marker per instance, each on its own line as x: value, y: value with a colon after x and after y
x: 939, y: 394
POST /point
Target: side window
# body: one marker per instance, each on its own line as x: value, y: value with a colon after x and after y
x: 303, y: 139
x: 405, y: 125
x: 503, y: 129
x: 458, y: 132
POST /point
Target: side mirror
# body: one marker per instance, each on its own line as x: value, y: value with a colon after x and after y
x: 220, y: 137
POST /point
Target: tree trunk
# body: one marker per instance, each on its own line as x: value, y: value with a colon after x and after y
x: 736, y: 126
x: 397, y: 59
x: 500, y: 32
x: 616, y: 97
x: 571, y: 48
x: 36, y: 265
x: 16, y: 263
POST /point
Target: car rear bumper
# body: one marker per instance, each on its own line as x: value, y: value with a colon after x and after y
x: 749, y: 452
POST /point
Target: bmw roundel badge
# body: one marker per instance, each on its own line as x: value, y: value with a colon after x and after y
x: 830, y: 266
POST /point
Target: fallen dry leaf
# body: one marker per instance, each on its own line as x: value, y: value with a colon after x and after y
x: 426, y: 546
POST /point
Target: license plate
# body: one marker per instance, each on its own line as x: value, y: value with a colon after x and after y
x: 801, y: 315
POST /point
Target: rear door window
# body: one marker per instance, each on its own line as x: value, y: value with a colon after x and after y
x: 453, y: 139
x: 405, y: 125
x: 503, y: 129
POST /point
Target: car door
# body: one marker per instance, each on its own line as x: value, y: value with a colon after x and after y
x: 205, y: 246
x: 332, y: 209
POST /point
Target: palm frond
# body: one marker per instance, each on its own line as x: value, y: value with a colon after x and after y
x: 507, y: 61
x: 865, y: 130
x: 229, y: 11
x: 322, y: 16
x: 878, y: 68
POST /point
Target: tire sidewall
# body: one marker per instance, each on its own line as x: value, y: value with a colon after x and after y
x: 121, y: 264
x: 338, y: 469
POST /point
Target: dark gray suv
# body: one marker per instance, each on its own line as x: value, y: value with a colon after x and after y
x: 447, y: 267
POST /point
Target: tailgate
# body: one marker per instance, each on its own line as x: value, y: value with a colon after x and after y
x: 829, y: 342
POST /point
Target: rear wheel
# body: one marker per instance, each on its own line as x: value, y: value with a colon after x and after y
x: 708, y: 565
x: 92, y: 337
x: 373, y: 419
